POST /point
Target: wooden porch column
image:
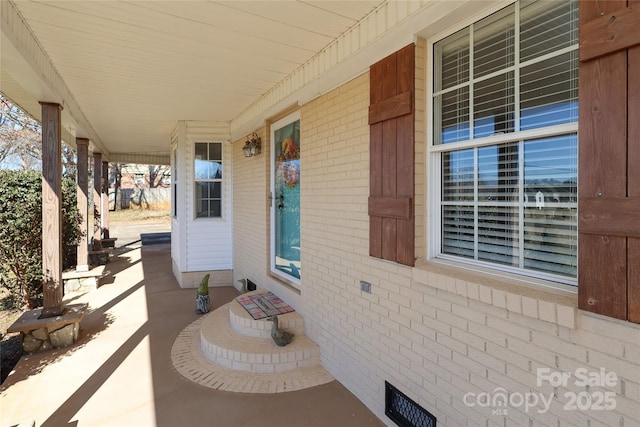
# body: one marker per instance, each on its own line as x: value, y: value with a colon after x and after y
x: 83, y: 194
x: 105, y: 200
x: 97, y: 201
x: 51, y: 209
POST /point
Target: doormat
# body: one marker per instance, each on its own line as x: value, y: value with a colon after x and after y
x: 264, y: 305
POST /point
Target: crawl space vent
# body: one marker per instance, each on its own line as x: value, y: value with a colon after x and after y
x: 404, y: 411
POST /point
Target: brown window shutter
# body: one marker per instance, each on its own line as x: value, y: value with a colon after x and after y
x: 609, y: 159
x: 391, y: 120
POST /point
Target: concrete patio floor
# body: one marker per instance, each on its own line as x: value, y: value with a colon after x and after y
x: 120, y: 372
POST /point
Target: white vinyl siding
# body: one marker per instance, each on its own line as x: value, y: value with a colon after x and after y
x: 505, y: 103
x: 202, y: 245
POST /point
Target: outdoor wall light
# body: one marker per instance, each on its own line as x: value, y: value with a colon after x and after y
x: 252, y: 146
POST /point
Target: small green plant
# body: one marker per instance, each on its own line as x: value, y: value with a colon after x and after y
x: 21, y: 233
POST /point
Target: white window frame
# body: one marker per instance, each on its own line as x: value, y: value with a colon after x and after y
x: 196, y: 181
x: 434, y: 167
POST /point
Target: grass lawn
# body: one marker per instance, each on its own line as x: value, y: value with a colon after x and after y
x: 128, y: 215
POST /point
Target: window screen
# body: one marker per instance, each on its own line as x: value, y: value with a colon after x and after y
x: 512, y: 76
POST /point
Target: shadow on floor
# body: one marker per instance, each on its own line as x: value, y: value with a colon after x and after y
x: 94, y: 322
x: 173, y: 400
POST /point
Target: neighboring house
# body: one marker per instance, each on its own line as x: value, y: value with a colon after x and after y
x: 134, y: 176
x: 417, y: 202
x: 143, y: 185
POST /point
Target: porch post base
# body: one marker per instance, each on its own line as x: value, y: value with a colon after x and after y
x: 40, y: 334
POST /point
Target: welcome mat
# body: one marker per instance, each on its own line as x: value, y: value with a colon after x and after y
x: 264, y: 305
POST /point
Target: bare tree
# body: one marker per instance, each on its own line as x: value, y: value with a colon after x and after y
x: 157, y: 173
x: 21, y: 141
x: 115, y: 173
x: 20, y: 136
x: 69, y: 162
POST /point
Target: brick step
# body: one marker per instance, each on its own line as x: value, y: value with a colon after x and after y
x: 188, y: 359
x: 224, y: 346
x: 243, y: 323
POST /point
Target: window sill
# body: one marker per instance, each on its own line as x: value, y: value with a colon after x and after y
x: 529, y: 297
x: 289, y: 284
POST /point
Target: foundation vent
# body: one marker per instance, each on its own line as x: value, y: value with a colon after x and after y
x: 251, y: 286
x: 404, y: 411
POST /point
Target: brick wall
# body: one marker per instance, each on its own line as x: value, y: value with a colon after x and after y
x: 250, y: 212
x: 439, y: 333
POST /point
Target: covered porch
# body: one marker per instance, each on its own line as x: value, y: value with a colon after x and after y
x: 425, y: 253
x: 120, y: 372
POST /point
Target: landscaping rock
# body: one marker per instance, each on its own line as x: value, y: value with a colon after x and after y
x: 71, y: 285
x: 31, y: 344
x: 40, y: 334
x: 46, y: 345
x: 63, y: 337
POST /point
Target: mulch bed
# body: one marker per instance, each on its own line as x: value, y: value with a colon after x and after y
x: 10, y: 353
x: 10, y: 345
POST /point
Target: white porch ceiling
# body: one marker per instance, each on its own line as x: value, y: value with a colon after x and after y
x: 134, y: 68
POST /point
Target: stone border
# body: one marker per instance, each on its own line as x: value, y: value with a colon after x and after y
x: 189, y: 361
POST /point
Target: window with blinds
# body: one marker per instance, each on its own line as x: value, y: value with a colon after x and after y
x: 505, y: 111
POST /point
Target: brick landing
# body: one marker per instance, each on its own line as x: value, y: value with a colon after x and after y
x: 190, y: 362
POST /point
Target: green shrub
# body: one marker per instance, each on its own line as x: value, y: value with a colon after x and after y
x: 21, y: 233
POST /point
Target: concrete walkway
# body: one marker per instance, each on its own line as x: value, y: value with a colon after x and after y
x: 120, y: 372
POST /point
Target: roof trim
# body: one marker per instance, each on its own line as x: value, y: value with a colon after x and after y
x: 313, y: 76
x: 391, y: 26
x: 140, y: 158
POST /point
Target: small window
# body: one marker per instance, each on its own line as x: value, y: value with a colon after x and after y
x: 505, y: 112
x: 138, y: 178
x: 208, y: 179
